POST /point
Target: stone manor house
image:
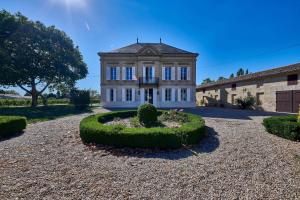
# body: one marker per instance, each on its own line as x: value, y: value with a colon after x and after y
x: 155, y: 73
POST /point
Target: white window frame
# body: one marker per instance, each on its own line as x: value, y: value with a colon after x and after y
x: 111, y: 95
x: 184, y: 73
x: 183, y: 94
x: 113, y: 73
x: 168, y: 94
x: 128, y: 94
x: 128, y: 75
x: 168, y: 73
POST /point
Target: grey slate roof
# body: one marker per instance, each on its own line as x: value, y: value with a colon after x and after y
x: 253, y: 76
x: 161, y: 48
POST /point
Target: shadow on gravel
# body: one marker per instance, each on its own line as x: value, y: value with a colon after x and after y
x: 229, y: 113
x: 207, y: 145
x: 11, y: 136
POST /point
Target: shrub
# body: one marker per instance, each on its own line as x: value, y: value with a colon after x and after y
x: 147, y: 115
x: 134, y: 121
x: 10, y: 125
x: 92, y: 130
x: 283, y: 126
x: 80, y: 98
x: 174, y: 115
x: 246, y: 102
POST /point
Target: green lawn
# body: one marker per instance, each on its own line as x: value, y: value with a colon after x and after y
x: 42, y: 113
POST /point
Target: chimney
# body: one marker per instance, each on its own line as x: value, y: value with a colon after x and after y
x: 160, y: 40
x: 137, y: 40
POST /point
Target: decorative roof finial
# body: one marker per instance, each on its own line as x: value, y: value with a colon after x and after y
x: 160, y: 40
x: 137, y: 40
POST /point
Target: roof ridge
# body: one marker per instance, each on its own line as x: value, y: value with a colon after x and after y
x: 162, y: 48
x: 245, y: 77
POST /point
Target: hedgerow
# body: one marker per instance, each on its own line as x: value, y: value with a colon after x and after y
x: 93, y: 130
x: 10, y: 125
x: 283, y: 126
x: 27, y: 102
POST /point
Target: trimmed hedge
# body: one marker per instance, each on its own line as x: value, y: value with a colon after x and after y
x: 147, y: 114
x: 27, y: 102
x: 10, y: 125
x: 283, y: 126
x: 92, y: 130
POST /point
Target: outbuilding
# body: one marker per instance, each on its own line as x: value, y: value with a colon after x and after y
x: 277, y: 89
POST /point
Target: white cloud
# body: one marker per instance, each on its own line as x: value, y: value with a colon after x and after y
x: 87, y: 26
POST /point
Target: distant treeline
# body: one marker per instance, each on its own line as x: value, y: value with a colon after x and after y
x: 240, y: 72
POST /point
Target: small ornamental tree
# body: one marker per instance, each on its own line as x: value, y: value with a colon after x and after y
x: 35, y: 57
x: 147, y: 114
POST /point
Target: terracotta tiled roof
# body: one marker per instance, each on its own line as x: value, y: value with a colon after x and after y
x: 253, y: 76
x: 160, y: 48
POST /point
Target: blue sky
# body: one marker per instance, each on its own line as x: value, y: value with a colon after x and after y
x: 227, y: 34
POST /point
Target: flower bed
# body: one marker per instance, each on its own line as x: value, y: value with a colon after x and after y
x: 94, y: 130
x: 283, y: 126
x: 10, y: 125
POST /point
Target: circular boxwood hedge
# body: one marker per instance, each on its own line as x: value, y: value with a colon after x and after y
x: 93, y: 130
x: 10, y: 125
x: 283, y: 126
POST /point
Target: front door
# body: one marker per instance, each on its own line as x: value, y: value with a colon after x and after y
x: 149, y: 95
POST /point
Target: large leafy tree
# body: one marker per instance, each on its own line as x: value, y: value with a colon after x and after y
x: 35, y: 57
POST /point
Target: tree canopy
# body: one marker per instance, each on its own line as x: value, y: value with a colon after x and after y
x: 221, y: 78
x: 207, y: 80
x: 35, y: 57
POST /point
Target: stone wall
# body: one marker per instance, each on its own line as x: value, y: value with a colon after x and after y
x: 263, y: 89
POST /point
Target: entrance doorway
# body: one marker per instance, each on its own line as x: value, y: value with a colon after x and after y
x: 149, y: 95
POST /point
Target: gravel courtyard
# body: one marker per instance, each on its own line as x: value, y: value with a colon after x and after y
x: 238, y: 160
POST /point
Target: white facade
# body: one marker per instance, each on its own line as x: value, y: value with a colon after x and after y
x: 164, y: 96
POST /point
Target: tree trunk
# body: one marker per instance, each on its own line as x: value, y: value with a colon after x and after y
x: 34, y: 95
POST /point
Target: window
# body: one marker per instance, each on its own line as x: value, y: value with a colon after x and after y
x: 233, y: 99
x: 233, y: 86
x: 216, y: 97
x: 128, y: 94
x: 259, y: 84
x: 168, y: 92
x: 183, y: 94
x: 149, y: 73
x: 111, y: 95
x: 168, y: 73
x: 259, y: 98
x: 183, y: 73
x: 128, y: 73
x: 292, y: 79
x: 113, y: 73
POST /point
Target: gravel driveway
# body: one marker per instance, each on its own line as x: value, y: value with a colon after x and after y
x: 238, y: 160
